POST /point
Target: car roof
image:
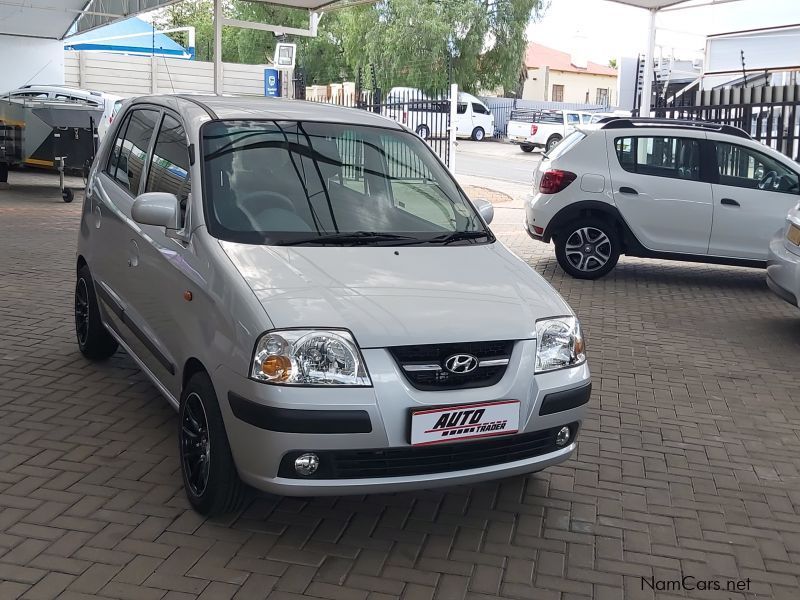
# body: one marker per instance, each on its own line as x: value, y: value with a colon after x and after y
x: 255, y: 107
x: 661, y: 123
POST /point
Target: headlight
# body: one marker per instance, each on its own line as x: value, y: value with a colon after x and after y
x: 309, y: 357
x: 559, y: 344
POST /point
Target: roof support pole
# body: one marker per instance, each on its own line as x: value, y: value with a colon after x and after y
x: 218, y: 47
x: 647, y: 72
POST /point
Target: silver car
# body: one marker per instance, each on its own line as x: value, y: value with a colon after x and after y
x: 321, y: 303
x: 783, y: 265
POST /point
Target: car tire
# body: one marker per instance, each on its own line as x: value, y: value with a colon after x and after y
x: 551, y: 142
x: 424, y: 132
x: 210, y: 478
x: 588, y: 248
x: 526, y: 148
x: 67, y: 195
x: 478, y: 134
x: 94, y: 340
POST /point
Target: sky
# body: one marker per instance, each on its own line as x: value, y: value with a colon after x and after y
x: 602, y: 30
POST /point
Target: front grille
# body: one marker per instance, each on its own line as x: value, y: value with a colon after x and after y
x: 442, y: 379
x: 424, y: 460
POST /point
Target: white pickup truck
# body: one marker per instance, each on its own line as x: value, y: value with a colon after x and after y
x: 543, y: 128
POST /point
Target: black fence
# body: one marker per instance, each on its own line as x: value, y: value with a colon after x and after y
x: 427, y: 115
x: 770, y: 114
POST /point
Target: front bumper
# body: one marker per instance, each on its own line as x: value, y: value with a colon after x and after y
x: 783, y: 271
x: 282, y: 422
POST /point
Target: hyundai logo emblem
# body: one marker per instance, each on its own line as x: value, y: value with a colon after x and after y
x: 461, y: 363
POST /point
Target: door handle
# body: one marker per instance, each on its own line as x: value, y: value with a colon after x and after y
x: 628, y: 190
x: 729, y: 202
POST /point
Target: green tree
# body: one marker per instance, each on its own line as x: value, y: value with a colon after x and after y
x: 200, y: 15
x: 612, y: 62
x: 418, y: 43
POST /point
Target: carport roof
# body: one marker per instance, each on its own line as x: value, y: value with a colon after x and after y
x: 54, y: 19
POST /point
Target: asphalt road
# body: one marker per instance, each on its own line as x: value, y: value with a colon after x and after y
x: 496, y: 161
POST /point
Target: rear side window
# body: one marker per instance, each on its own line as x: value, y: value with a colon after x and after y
x: 550, y: 117
x: 566, y: 144
x: 169, y: 167
x: 130, y: 149
x: 573, y: 119
x: 674, y: 157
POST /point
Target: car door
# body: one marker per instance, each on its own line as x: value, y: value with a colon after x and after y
x: 463, y: 118
x: 482, y: 117
x: 660, y: 190
x: 752, y: 196
x: 112, y: 194
x: 161, y: 261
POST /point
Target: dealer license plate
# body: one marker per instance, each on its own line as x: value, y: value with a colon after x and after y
x: 464, y: 422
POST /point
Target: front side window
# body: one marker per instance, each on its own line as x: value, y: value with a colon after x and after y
x: 128, y: 156
x: 744, y: 167
x: 290, y: 182
x: 479, y: 109
x: 169, y: 167
x: 674, y: 157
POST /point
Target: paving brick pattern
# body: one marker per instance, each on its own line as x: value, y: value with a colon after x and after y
x: 687, y: 464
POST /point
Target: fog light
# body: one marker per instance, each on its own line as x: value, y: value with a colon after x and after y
x: 307, y: 464
x: 562, y: 437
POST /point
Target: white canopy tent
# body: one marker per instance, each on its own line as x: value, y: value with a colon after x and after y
x: 655, y: 7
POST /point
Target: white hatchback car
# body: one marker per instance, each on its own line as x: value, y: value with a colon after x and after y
x: 783, y: 266
x: 327, y: 310
x: 680, y: 190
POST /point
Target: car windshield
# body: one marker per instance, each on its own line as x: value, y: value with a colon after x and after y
x: 296, y: 183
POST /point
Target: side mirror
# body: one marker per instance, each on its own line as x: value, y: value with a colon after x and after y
x: 156, y: 208
x: 485, y: 209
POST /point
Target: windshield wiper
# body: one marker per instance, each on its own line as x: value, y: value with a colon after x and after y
x: 458, y: 236
x: 356, y: 237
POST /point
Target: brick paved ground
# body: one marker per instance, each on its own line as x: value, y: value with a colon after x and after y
x: 688, y: 461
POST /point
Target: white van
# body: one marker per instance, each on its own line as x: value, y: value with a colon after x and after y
x: 474, y: 119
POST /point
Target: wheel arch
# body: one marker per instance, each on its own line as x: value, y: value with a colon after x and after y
x: 588, y: 208
x: 81, y: 262
x: 191, y: 367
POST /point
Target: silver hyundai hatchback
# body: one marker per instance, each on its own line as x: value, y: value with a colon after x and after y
x: 321, y: 303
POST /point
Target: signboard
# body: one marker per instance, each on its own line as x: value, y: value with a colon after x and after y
x: 285, y: 55
x: 272, y: 83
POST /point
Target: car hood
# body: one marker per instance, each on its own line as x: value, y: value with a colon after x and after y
x: 391, y: 296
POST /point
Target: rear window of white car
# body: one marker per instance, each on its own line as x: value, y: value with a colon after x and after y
x: 567, y: 144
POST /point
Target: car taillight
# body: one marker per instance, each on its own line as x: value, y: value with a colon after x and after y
x: 555, y: 180
x: 534, y: 129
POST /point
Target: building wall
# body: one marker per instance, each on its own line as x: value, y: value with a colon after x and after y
x: 136, y: 75
x: 540, y: 81
x: 30, y: 60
